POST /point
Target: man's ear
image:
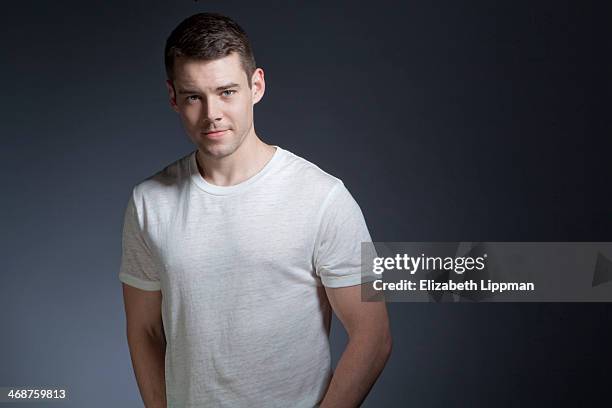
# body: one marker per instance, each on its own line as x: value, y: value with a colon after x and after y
x: 172, y: 95
x: 258, y: 85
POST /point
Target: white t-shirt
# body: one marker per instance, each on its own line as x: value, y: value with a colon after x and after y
x: 241, y: 270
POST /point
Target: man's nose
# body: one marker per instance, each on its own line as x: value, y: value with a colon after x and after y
x: 211, y: 111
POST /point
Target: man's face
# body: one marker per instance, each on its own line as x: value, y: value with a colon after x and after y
x: 214, y: 95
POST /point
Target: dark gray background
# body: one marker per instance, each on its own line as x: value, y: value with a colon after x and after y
x: 447, y: 120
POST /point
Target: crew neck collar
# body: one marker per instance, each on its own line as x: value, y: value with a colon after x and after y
x: 214, y: 189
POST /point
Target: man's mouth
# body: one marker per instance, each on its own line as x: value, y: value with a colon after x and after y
x: 217, y: 132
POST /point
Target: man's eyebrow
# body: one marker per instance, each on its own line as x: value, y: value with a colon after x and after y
x: 230, y: 85
x: 219, y: 88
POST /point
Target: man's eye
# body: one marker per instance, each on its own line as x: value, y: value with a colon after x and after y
x: 192, y: 98
x: 228, y: 90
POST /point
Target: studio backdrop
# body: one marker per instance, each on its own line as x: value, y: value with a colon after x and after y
x: 449, y: 122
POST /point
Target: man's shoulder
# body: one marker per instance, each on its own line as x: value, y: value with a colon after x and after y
x: 306, y: 173
x: 166, y: 181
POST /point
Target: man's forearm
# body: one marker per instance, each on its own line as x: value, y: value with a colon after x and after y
x: 148, y: 359
x: 358, y: 368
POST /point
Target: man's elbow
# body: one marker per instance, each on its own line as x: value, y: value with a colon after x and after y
x: 386, y: 344
x: 378, y: 340
x: 380, y: 344
x: 149, y: 332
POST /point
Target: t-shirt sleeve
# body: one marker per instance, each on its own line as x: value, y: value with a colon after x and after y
x: 139, y: 266
x: 338, y: 245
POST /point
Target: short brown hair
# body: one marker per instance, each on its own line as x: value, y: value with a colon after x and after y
x: 208, y: 36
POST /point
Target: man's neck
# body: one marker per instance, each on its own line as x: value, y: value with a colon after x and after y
x: 250, y: 158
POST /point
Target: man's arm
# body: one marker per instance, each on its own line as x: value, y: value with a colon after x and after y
x: 367, y: 350
x: 147, y: 343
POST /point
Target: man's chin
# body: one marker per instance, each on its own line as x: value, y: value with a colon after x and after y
x: 217, y: 151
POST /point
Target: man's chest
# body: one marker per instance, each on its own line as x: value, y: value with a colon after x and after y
x: 249, y: 242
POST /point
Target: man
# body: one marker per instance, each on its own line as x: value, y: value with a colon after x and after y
x: 235, y: 254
